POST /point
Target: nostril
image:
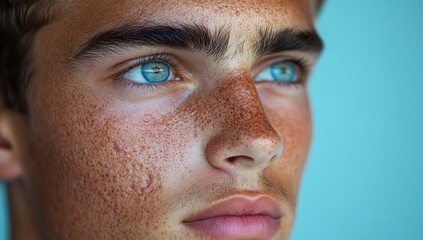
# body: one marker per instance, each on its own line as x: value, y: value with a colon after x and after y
x: 231, y: 159
x: 239, y: 158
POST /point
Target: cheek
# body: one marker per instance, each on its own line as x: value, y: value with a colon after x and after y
x: 292, y: 121
x: 113, y: 165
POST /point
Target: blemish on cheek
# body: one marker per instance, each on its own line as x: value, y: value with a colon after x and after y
x: 111, y: 173
x: 118, y: 147
x: 137, y: 174
x: 148, y: 183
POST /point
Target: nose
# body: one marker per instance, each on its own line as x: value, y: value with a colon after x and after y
x: 244, y: 139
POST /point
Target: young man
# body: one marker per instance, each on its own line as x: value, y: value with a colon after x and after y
x: 141, y: 119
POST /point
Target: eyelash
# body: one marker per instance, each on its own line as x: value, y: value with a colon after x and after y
x: 303, y: 63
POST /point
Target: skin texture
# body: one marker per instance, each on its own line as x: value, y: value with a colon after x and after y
x: 106, y: 161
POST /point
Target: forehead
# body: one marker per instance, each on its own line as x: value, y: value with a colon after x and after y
x: 88, y: 14
x: 78, y: 20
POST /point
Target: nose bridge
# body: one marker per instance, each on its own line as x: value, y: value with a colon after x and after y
x: 246, y: 137
x: 242, y: 108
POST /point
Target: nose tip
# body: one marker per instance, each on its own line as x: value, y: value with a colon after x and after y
x: 244, y: 153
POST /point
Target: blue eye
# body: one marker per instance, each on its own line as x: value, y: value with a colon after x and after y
x: 149, y: 73
x: 284, y: 71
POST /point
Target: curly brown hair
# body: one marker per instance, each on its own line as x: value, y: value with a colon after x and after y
x: 19, y: 21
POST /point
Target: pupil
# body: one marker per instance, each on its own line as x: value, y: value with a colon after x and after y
x: 283, y: 70
x: 156, y: 70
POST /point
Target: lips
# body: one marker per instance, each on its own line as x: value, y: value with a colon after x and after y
x: 238, y: 217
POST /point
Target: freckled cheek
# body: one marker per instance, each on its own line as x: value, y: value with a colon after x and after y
x: 110, y: 170
x: 89, y: 159
x: 163, y: 148
x: 292, y: 121
x: 120, y: 155
x: 139, y: 162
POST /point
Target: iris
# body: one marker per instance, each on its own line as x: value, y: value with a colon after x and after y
x: 155, y: 71
x: 150, y: 72
x: 284, y: 71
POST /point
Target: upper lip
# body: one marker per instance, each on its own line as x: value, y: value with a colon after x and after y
x: 239, y: 206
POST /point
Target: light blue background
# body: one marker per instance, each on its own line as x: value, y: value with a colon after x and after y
x: 4, y: 230
x: 364, y: 178
x: 365, y: 172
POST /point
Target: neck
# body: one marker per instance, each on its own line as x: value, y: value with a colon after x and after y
x: 22, y: 219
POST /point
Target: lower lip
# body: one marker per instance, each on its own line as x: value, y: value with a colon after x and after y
x: 248, y: 226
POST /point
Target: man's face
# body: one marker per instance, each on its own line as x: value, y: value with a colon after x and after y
x: 136, y: 135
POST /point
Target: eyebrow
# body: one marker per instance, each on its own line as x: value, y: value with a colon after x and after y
x: 193, y: 37
x: 273, y: 41
x: 186, y: 37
